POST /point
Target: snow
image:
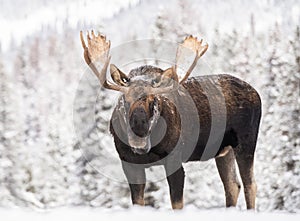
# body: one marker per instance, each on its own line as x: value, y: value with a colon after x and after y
x: 55, y: 148
x: 144, y: 214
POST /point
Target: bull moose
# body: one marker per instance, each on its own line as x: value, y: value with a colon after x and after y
x: 146, y: 99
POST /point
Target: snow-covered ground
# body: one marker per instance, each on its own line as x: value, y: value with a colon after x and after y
x: 143, y: 214
x: 41, y: 160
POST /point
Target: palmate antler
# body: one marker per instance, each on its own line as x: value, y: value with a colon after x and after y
x: 193, y: 44
x: 98, y: 50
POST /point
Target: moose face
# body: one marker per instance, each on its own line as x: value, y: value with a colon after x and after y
x: 140, y: 105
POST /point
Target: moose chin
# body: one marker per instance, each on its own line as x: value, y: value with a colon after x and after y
x: 146, y: 124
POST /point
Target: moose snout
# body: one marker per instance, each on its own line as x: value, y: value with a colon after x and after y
x: 140, y: 151
x: 139, y: 123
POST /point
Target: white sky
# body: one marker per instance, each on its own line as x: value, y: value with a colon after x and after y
x: 32, y: 19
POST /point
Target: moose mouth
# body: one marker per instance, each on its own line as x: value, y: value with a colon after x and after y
x: 139, y: 145
x: 142, y: 145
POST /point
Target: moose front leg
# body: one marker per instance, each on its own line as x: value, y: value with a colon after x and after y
x: 137, y: 194
x: 136, y: 179
x: 176, y: 185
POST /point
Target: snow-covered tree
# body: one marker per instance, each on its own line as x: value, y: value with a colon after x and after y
x: 8, y: 134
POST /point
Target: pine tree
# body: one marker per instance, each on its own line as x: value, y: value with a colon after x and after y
x: 279, y: 125
x: 8, y: 134
x: 290, y: 135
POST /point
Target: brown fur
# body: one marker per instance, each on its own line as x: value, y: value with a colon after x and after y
x: 227, y: 171
x: 243, y: 107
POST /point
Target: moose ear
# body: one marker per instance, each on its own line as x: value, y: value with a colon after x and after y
x: 118, y: 76
x: 170, y: 73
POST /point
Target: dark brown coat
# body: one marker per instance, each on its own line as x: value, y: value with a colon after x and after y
x: 243, y: 113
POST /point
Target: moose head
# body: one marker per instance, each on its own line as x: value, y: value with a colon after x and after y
x: 140, y: 104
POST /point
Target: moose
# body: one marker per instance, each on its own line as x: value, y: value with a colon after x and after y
x: 142, y: 139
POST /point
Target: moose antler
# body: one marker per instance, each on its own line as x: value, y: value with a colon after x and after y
x: 193, y: 44
x: 98, y: 50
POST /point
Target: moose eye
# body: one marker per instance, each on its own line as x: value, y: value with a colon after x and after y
x: 155, y: 82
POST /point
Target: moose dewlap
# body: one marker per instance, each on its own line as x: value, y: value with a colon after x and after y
x: 148, y: 122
